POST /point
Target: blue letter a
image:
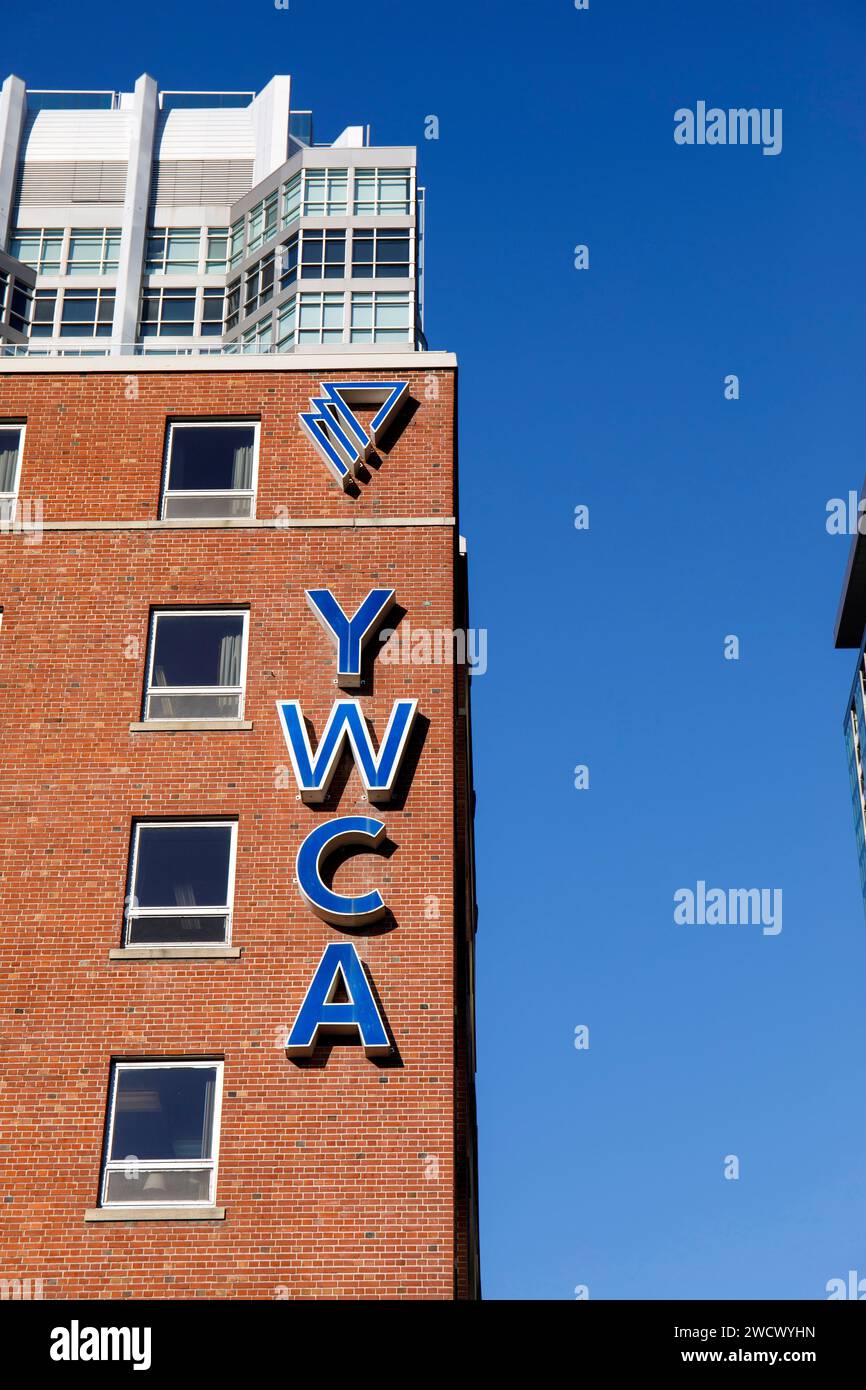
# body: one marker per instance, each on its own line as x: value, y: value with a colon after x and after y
x: 340, y: 963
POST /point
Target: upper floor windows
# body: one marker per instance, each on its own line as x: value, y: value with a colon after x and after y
x: 211, y: 469
x: 15, y: 301
x: 173, y: 250
x: 187, y: 251
x: 81, y: 251
x: 217, y: 250
x: 93, y: 251
x: 323, y: 256
x: 380, y: 254
x: 320, y: 319
x: 382, y: 192
x: 168, y: 313
x: 322, y: 192
x: 196, y: 664
x: 87, y: 314
x: 326, y: 192
x: 262, y: 222
x: 381, y: 317
x: 181, y: 311
x: 11, y: 448
x: 291, y: 200
x: 39, y: 247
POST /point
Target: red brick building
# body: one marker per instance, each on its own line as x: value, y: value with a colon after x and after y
x: 134, y: 1019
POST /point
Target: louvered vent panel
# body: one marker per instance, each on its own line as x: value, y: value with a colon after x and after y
x: 199, y: 181
x: 52, y: 183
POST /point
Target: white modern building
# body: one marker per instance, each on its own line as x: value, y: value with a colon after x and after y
x: 201, y: 222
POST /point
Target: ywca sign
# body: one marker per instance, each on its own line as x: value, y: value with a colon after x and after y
x: 340, y: 438
x: 340, y: 969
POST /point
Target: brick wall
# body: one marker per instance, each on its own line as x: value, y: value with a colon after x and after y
x: 325, y: 1168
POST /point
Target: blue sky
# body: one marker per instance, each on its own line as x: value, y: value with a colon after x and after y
x: 604, y: 1167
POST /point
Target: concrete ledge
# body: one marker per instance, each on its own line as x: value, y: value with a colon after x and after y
x: 175, y: 953
x: 141, y: 364
x: 296, y: 523
x: 171, y: 726
x: 155, y: 1213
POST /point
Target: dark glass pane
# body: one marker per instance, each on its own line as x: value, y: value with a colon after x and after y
x: 178, y: 310
x: 164, y: 1112
x: 182, y: 866
x: 212, y: 457
x: 394, y: 249
x: 199, y: 649
x: 176, y: 931
x: 77, y: 310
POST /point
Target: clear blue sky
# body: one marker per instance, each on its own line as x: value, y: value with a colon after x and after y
x: 604, y: 1167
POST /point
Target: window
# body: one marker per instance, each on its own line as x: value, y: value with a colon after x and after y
x: 233, y: 303
x: 44, y: 305
x: 93, y: 251
x: 286, y: 323
x: 217, y: 250
x: 383, y: 192
x: 262, y: 222
x: 39, y: 247
x: 197, y: 664
x: 237, y: 242
x: 287, y: 261
x: 380, y: 254
x: 181, y: 883
x: 211, y: 469
x: 326, y: 192
x: 291, y: 200
x: 259, y: 284
x: 163, y: 1134
x: 212, y: 313
x: 320, y: 318
x: 11, y: 448
x: 323, y: 256
x: 381, y: 317
x: 260, y: 338
x: 173, y: 250
x: 168, y: 313
x: 87, y: 313
x: 20, y: 300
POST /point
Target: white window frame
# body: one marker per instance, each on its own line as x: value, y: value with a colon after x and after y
x: 110, y: 1165
x: 211, y: 266
x: 192, y: 423
x: 239, y: 690
x: 305, y: 298
x: 161, y: 291
x: 42, y: 234
x: 187, y: 232
x: 133, y: 913
x: 380, y: 173
x: 378, y: 333
x: 9, y: 500
x: 329, y: 178
x: 100, y: 264
x: 97, y: 292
